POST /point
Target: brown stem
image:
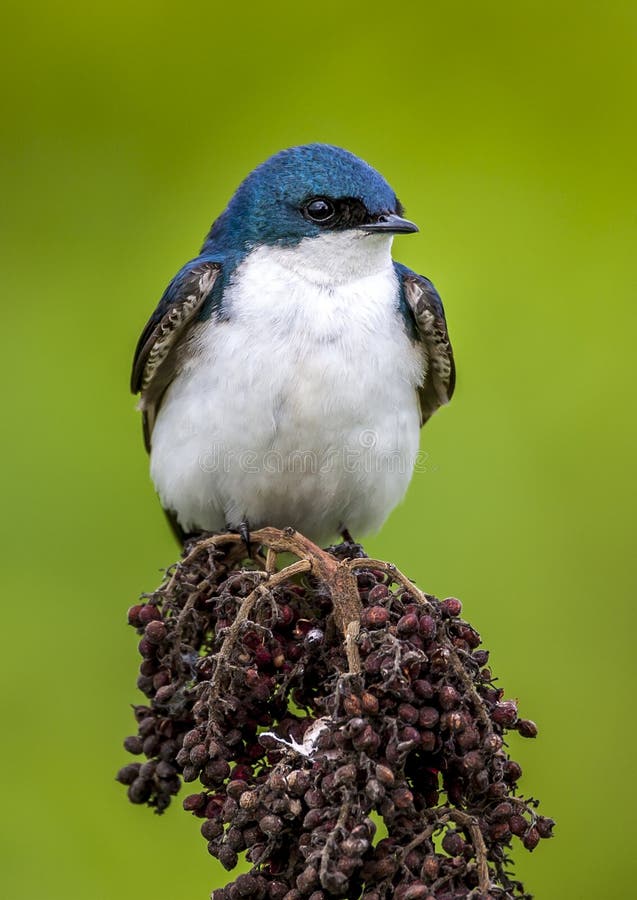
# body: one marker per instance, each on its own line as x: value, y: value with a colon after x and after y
x: 459, y: 671
x: 347, y: 613
x: 337, y: 575
x: 330, y: 843
x: 471, y: 825
x: 261, y: 590
x: 340, y: 578
x: 461, y: 674
x: 270, y: 562
x: 395, y: 574
x: 199, y: 547
x: 422, y: 837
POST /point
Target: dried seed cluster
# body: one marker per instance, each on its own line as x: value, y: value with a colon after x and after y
x: 391, y: 780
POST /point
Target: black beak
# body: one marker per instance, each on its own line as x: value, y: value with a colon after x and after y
x: 390, y: 223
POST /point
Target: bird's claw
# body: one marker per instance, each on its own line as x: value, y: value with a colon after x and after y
x: 244, y: 531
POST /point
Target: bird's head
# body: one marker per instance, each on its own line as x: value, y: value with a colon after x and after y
x: 325, y: 199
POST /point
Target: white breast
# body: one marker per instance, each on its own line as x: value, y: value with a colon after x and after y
x: 299, y: 409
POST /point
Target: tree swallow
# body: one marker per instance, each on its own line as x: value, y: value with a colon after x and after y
x: 288, y: 368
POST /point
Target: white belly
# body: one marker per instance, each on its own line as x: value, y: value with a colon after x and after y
x: 300, y: 409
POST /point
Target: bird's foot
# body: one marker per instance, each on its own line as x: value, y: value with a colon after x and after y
x: 244, y: 531
x: 349, y: 549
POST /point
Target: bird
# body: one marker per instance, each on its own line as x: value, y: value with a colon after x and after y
x: 288, y: 368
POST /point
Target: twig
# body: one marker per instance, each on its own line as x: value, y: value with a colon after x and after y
x: 330, y: 843
x: 422, y: 837
x: 398, y: 577
x: 337, y: 575
x: 190, y: 558
x: 340, y: 578
x: 261, y: 590
x: 270, y: 561
x: 394, y: 573
x: 471, y: 825
x: 461, y: 674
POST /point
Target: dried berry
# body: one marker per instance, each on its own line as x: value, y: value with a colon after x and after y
x: 451, y: 606
x: 527, y: 728
x: 155, y: 632
x: 375, y: 617
x: 505, y: 714
x: 453, y: 844
x: 294, y: 752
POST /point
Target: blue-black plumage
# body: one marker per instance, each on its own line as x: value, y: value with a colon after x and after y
x: 288, y: 367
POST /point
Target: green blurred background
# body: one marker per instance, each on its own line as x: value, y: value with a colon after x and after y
x: 508, y: 131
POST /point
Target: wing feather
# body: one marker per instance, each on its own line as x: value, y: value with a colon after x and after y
x: 426, y: 307
x: 156, y: 353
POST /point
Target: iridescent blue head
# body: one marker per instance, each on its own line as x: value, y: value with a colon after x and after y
x: 304, y: 192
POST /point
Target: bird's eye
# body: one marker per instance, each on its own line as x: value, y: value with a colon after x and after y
x: 319, y: 209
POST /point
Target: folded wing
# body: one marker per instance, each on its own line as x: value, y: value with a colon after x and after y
x: 431, y: 327
x: 157, y: 353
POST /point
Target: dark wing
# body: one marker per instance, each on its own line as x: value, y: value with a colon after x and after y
x: 156, y: 353
x: 426, y: 308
